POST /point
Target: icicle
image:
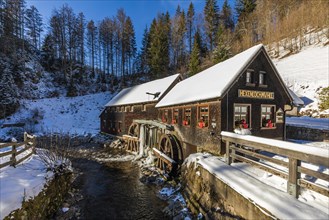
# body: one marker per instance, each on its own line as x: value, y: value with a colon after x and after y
x: 141, y: 142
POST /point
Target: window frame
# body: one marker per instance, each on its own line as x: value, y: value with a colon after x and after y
x: 165, y: 115
x: 249, y: 116
x: 251, y: 77
x: 173, y: 118
x: 263, y: 83
x: 206, y: 123
x: 273, y: 118
x: 184, y: 116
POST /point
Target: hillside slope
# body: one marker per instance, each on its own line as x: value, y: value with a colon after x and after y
x: 306, y: 73
x: 76, y: 115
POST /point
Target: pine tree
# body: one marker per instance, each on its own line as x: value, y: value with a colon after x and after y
x: 80, y: 31
x: 244, y: 8
x: 91, y: 43
x: 221, y: 52
x: 48, y: 53
x: 178, y: 38
x: 226, y: 16
x: 143, y: 55
x: 34, y: 26
x: 8, y: 91
x: 194, y: 65
x: 159, y: 46
x: 211, y: 13
x: 190, y: 24
x: 130, y: 41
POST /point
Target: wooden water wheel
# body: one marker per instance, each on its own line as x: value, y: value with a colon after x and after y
x: 133, y: 130
x: 169, y: 153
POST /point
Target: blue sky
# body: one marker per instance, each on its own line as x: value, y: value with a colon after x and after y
x: 141, y: 12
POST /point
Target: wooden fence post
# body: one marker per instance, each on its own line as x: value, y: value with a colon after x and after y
x: 13, y: 155
x: 25, y: 136
x: 293, y: 176
x: 228, y: 158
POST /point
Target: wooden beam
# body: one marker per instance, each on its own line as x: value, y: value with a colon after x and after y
x: 154, y: 123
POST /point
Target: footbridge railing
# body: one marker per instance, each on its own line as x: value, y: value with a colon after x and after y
x: 281, y: 158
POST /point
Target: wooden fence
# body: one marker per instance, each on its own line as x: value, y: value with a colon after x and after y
x: 17, y: 149
x: 259, y: 151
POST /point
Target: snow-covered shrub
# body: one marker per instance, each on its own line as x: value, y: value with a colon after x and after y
x: 324, y: 98
x: 55, y: 153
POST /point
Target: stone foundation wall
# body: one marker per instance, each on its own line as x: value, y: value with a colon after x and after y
x: 310, y: 134
x: 213, y: 198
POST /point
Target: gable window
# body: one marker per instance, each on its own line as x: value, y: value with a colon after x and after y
x: 242, y: 115
x: 268, y: 113
x: 187, y: 116
x: 164, y: 117
x: 250, y: 77
x: 203, y: 113
x: 175, y: 114
x: 262, y: 78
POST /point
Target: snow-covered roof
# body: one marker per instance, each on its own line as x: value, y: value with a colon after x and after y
x: 296, y: 100
x: 138, y: 94
x: 210, y: 83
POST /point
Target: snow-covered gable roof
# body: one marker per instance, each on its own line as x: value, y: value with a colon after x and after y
x: 137, y: 94
x: 210, y: 83
x: 296, y: 100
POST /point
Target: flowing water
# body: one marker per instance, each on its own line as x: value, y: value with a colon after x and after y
x: 112, y: 190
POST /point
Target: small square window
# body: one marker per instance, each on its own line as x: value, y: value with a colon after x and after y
x: 187, y: 116
x: 250, y: 77
x: 262, y: 78
x: 175, y: 116
x: 203, y: 112
x: 164, y: 116
x: 242, y: 116
x: 268, y: 116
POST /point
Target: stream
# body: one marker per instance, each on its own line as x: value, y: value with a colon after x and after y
x: 112, y: 190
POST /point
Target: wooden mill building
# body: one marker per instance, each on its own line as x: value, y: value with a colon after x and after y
x: 244, y: 91
x: 137, y: 102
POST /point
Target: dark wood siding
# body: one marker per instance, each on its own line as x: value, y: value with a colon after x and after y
x: 125, y: 118
x: 193, y: 136
x: 272, y: 85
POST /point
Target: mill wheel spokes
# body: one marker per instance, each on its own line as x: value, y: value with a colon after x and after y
x: 133, y: 130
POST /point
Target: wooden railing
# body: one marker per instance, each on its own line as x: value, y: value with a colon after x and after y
x: 259, y: 151
x: 17, y: 149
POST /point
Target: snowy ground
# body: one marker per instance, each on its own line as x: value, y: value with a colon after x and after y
x: 24, y: 181
x: 306, y: 72
x: 77, y: 115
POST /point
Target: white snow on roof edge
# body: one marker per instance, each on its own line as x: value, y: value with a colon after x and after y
x: 210, y: 83
x: 137, y: 94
